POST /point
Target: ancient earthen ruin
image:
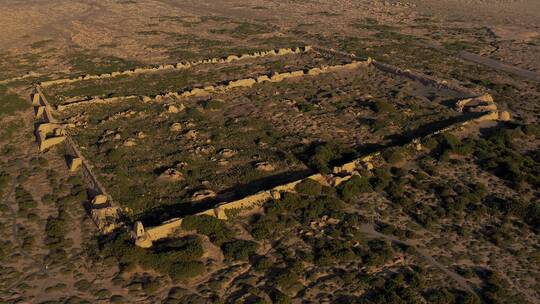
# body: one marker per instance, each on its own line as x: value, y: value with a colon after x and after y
x: 107, y: 215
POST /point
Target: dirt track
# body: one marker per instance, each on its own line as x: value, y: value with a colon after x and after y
x: 495, y: 64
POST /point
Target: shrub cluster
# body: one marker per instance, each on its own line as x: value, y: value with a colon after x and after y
x: 394, y: 155
x: 500, y: 154
x: 323, y: 156
x: 4, y: 181
x: 497, y: 290
x: 354, y: 186
x: 214, y: 228
x: 57, y: 227
x: 239, y: 249
x: 27, y: 204
x: 177, y: 257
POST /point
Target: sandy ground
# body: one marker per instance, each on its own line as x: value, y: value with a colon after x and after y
x: 90, y: 24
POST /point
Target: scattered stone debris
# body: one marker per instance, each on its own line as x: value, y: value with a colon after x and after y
x: 181, y: 165
x: 99, y: 200
x: 505, y: 116
x: 175, y: 109
x: 264, y: 167
x: 172, y: 175
x: 192, y: 134
x: 484, y: 103
x: 203, y: 195
x: 107, y: 219
x: 176, y: 127
x: 227, y: 153
x: 368, y: 166
x: 130, y: 142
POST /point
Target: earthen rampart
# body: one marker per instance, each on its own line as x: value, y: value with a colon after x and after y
x: 50, y: 133
x: 102, y: 203
x: 232, y: 84
x: 180, y: 65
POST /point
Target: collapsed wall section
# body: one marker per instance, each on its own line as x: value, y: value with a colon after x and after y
x: 102, y: 208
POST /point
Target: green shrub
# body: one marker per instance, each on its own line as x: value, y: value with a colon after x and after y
x: 25, y: 201
x: 177, y: 257
x: 49, y: 199
x: 324, y: 155
x: 246, y: 29
x: 305, y: 106
x: 212, y: 104
x: 279, y: 297
x: 354, y: 186
x: 499, y: 154
x: 180, y: 249
x: 381, y: 180
x: 333, y: 251
x: 4, y: 181
x: 117, y: 299
x: 286, y: 279
x: 263, y: 264
x: 309, y: 187
x: 532, y: 130
x: 497, y: 290
x: 185, y: 270
x: 430, y: 143
x: 56, y: 229
x: 394, y: 155
x: 440, y: 296
x: 239, y: 249
x: 383, y: 106
x: 533, y: 215
x: 83, y: 285
x: 11, y: 103
x: 262, y: 229
x: 210, y: 226
x: 318, y: 207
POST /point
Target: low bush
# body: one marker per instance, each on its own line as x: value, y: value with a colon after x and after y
x: 328, y: 252
x: 210, y: 226
x: 25, y: 201
x: 239, y: 249
x: 532, y: 130
x: 10, y: 103
x: 394, y: 155
x: 323, y: 156
x: 286, y: 279
x: 263, y: 264
x: 499, y: 154
x: 177, y: 257
x: 354, y: 186
x: 381, y: 179
x: 309, y: 187
x: 212, y: 104
x: 4, y: 181
x: 497, y: 290
x: 383, y: 106
x: 185, y: 270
